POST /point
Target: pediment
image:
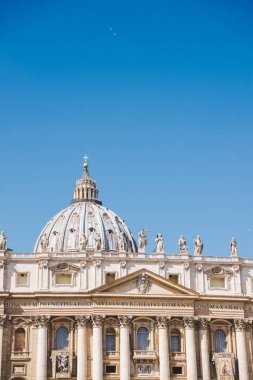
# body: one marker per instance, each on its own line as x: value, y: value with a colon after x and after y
x: 145, y: 283
x: 218, y: 270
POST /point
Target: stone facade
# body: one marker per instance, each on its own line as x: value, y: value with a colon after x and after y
x: 91, y: 312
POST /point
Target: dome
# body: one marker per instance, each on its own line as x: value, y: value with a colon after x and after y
x: 85, y: 225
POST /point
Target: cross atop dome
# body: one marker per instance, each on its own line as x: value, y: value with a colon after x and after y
x: 85, y: 164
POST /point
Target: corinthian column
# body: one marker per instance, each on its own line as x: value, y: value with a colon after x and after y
x: 191, y: 361
x: 124, y: 322
x: 162, y: 323
x: 97, y: 321
x: 41, y: 369
x: 241, y: 349
x: 203, y: 338
x: 81, y: 322
x: 2, y: 320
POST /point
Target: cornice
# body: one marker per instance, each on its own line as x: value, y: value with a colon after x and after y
x: 4, y: 294
x: 224, y: 298
x: 190, y: 298
x: 115, y: 256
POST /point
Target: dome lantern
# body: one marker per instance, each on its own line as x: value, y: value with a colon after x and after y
x: 86, y: 189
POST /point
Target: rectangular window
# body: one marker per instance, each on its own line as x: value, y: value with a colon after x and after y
x: 64, y: 279
x: 110, y: 278
x: 22, y: 279
x: 112, y: 369
x: 177, y: 370
x: 217, y: 282
x: 110, y: 343
x: 174, y: 278
x: 175, y: 343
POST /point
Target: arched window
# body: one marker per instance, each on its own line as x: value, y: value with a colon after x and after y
x: 219, y: 341
x: 175, y: 339
x: 62, y: 338
x: 19, y: 339
x: 110, y: 340
x: 142, y: 339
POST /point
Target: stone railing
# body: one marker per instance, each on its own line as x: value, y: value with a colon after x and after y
x: 142, y: 354
x: 20, y: 355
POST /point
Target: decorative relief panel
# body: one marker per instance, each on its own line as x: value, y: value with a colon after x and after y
x: 142, y: 283
x: 19, y: 369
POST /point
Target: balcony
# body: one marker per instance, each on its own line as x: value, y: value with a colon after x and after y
x: 111, y: 354
x: 20, y: 355
x: 148, y: 355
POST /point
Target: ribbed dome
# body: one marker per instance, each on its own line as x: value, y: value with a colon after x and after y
x: 85, y: 224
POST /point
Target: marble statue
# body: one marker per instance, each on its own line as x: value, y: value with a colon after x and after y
x: 233, y: 247
x: 121, y: 242
x: 44, y: 242
x: 198, y: 246
x: 98, y: 242
x: 142, y: 241
x: 183, y: 245
x: 3, y: 241
x: 159, y: 243
x: 83, y: 241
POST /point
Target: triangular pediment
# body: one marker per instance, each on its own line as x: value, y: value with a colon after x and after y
x: 145, y: 283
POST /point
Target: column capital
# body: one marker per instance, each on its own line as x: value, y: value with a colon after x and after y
x: 3, y: 264
x: 43, y: 264
x: 240, y: 324
x: 97, y: 320
x: 189, y: 322
x: 81, y: 320
x: 40, y: 320
x: 162, y: 322
x: 203, y: 323
x: 124, y: 320
x: 3, y: 319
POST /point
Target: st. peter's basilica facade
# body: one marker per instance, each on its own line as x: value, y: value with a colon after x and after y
x: 90, y: 303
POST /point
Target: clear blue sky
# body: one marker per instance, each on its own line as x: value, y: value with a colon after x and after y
x: 163, y: 109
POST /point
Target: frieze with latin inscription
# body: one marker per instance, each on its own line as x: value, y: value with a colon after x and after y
x: 133, y: 304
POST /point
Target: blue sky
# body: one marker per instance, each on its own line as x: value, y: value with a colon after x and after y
x: 163, y: 109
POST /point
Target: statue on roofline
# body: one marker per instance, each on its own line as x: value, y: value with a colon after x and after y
x: 233, y: 247
x: 159, y: 243
x: 183, y: 245
x: 3, y: 241
x: 142, y: 241
x: 198, y: 246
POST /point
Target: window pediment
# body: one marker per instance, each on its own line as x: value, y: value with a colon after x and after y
x: 64, y: 267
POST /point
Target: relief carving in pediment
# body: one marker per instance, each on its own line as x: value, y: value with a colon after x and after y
x: 218, y: 270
